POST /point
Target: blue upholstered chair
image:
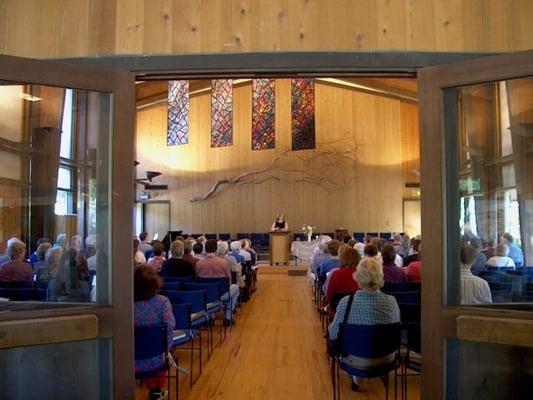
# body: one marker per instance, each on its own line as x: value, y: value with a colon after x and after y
x: 185, y: 333
x: 151, y: 341
x: 369, y: 342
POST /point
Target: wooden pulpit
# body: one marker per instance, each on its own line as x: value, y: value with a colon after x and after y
x: 279, y: 247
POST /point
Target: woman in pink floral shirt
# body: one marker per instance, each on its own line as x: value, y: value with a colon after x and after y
x: 151, y: 309
x: 158, y: 258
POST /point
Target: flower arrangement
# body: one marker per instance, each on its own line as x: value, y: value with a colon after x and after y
x: 308, y: 230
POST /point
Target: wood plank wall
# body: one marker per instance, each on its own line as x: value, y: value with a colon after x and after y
x: 63, y: 28
x: 373, y: 202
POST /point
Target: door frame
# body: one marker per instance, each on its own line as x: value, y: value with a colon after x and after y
x: 442, y: 318
x: 115, y: 321
x: 143, y: 205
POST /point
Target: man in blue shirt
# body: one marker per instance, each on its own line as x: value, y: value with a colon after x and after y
x: 515, y: 253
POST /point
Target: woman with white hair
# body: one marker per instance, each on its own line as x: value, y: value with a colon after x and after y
x: 176, y: 265
x: 370, y: 306
x: 501, y: 258
x: 222, y: 252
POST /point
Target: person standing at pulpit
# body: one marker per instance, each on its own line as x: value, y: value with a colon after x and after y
x: 280, y: 224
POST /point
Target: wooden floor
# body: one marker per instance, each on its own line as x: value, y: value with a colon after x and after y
x: 275, y: 351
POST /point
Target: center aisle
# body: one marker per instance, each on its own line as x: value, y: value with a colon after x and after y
x: 275, y: 351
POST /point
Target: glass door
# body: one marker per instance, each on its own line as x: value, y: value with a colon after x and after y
x: 66, y: 176
x: 477, y: 228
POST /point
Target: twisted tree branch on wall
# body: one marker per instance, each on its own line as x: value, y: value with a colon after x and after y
x: 332, y: 166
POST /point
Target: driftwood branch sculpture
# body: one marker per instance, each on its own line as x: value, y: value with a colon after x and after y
x: 332, y: 166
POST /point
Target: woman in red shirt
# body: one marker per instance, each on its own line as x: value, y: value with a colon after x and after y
x: 341, y: 280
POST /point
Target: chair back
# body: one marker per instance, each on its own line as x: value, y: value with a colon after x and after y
x: 410, y: 312
x: 15, y: 284
x: 256, y: 238
x: 359, y: 236
x: 385, y: 235
x: 336, y: 298
x: 395, y: 287
x: 182, y: 315
x: 211, y: 236
x: 222, y: 282
x: 212, y: 289
x: 17, y: 294
x: 411, y: 297
x: 371, y: 341
x: 196, y: 298
x: 177, y: 279
x: 414, y: 342
x: 415, y: 286
x: 171, y: 286
x: 243, y: 236
x: 150, y: 341
x: 234, y: 277
x: 224, y: 236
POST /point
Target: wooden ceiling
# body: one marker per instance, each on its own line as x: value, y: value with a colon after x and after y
x: 152, y: 92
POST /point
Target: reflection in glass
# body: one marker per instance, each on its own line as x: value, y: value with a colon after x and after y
x: 489, y: 167
x: 54, y: 187
x: 487, y: 371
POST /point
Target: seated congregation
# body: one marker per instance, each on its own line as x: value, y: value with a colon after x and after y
x: 370, y: 292
x: 184, y: 293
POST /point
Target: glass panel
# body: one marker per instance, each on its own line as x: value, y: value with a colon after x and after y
x: 55, y: 187
x: 76, y: 370
x: 489, y: 189
x: 487, y: 371
x: 64, y: 178
x: 66, y: 126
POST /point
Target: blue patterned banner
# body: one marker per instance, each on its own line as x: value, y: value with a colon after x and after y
x: 178, y: 113
x: 303, y: 113
x: 263, y: 114
x: 221, y: 112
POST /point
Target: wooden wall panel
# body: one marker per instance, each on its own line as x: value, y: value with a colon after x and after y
x: 63, y: 28
x: 190, y: 170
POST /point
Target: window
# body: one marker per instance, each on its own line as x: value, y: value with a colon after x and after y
x: 66, y: 175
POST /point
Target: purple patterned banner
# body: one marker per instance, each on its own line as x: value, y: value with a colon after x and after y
x: 178, y: 113
x: 221, y: 112
x: 263, y: 114
x: 303, y: 113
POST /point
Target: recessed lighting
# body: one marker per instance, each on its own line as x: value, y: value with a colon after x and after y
x: 29, y: 97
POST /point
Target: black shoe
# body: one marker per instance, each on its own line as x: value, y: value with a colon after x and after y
x: 355, y: 385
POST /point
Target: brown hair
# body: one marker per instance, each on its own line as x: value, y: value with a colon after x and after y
x: 468, y: 255
x: 158, y: 248
x: 349, y: 257
x: 333, y: 247
x: 415, y: 243
x: 146, y: 283
x: 388, y: 254
x: 370, y: 250
x: 211, y: 246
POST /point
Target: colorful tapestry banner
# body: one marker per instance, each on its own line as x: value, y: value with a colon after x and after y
x: 303, y: 113
x: 221, y: 112
x: 263, y: 114
x: 178, y: 113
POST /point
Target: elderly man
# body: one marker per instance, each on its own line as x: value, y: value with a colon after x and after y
x: 16, y: 269
x: 515, y: 253
x: 176, y: 265
x: 215, y: 267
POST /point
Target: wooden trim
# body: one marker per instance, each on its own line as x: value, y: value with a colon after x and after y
x: 117, y: 320
x: 121, y: 229
x: 41, y: 331
x: 507, y: 331
x: 439, y: 321
x: 276, y: 64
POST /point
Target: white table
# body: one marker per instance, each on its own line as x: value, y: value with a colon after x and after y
x: 303, y: 250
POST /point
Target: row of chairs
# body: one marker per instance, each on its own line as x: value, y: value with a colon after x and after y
x: 364, y: 341
x: 26, y: 291
x: 510, y: 285
x: 195, y: 306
